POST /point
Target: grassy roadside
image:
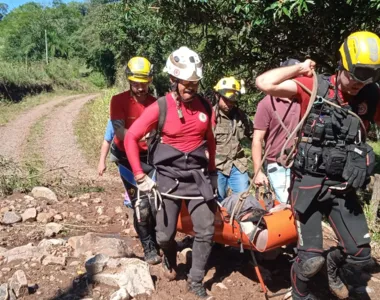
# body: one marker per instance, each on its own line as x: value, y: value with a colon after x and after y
x: 22, y: 177
x: 91, y: 124
x: 10, y: 110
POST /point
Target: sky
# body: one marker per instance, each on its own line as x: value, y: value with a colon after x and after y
x: 15, y: 3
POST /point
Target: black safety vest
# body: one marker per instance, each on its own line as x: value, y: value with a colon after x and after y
x: 322, y: 148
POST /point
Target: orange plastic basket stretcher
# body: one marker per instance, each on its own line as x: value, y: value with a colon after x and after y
x: 280, y: 231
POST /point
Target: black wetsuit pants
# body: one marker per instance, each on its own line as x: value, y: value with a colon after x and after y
x: 202, y: 216
x: 145, y: 228
x: 341, y: 209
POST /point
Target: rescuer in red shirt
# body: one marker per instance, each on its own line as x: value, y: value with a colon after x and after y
x: 126, y: 107
x: 184, y: 157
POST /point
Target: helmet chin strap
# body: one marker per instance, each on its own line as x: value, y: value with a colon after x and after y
x: 174, y: 88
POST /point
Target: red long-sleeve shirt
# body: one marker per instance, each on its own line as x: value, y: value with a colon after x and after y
x: 184, y: 134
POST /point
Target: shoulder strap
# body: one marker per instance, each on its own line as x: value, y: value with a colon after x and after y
x: 162, y: 109
x: 323, y: 85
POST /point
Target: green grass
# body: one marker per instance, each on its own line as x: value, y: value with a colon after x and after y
x: 9, y: 110
x: 19, y: 79
x: 91, y: 124
x: 32, y: 154
x: 376, y: 149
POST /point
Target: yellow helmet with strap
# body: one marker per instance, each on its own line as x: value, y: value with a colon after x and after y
x: 139, y: 69
x: 228, y: 87
x: 360, y: 55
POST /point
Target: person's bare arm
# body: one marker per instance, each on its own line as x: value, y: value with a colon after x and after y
x: 257, y: 142
x: 102, y: 166
x: 277, y: 82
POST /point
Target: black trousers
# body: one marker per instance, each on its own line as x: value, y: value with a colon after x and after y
x: 145, y: 228
x: 202, y: 216
x: 342, y: 210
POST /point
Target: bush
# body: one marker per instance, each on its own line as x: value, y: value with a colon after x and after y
x: 97, y: 79
x: 19, y: 79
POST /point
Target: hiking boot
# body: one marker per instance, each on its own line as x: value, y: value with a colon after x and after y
x: 336, y: 285
x: 150, y: 252
x: 309, y: 296
x: 169, y: 268
x: 198, y: 289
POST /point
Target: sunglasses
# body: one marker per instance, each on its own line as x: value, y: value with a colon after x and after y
x: 365, y: 73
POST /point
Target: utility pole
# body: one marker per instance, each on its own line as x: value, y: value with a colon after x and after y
x: 46, y: 48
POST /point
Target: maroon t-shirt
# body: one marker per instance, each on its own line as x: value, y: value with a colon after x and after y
x: 266, y: 119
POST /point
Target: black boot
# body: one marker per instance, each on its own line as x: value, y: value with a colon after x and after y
x: 300, y: 290
x: 169, y: 260
x: 310, y: 296
x: 150, y: 251
x: 336, y: 285
x: 197, y: 289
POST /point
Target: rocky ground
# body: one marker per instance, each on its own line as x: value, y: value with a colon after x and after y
x: 85, y: 247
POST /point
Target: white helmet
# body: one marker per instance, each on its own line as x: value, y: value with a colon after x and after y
x: 184, y: 64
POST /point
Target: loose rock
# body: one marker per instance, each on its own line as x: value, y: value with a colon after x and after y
x: 121, y: 294
x: 29, y: 215
x: 23, y: 253
x: 118, y: 210
x: 86, y: 196
x: 221, y: 286
x: 52, y: 229
x: 51, y: 242
x: 19, y: 284
x: 58, y: 217
x: 4, y: 291
x: 43, y: 192
x: 54, y: 260
x: 132, y: 274
x: 113, y: 247
x: 96, y: 264
x: 11, y: 217
x: 45, y: 217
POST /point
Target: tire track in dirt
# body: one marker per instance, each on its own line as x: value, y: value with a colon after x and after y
x: 13, y: 136
x: 60, y: 146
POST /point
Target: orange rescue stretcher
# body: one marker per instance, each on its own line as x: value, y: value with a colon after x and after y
x: 280, y: 230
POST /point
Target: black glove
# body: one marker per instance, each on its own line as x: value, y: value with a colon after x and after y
x: 355, y: 170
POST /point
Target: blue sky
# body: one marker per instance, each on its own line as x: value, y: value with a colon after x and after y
x: 15, y: 3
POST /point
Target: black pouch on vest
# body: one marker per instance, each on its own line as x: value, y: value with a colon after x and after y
x: 318, y: 133
x: 310, y: 122
x: 334, y: 160
x: 329, y: 132
x: 309, y: 159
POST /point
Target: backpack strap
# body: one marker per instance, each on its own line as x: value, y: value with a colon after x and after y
x: 323, y: 85
x: 162, y: 110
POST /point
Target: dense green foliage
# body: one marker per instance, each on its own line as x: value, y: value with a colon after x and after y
x: 234, y: 37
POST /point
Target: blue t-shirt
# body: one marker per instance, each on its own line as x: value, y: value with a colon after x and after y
x: 110, y: 133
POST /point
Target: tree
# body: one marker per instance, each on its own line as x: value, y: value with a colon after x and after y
x: 3, y: 10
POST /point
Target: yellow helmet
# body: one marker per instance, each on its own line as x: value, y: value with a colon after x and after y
x: 229, y: 88
x: 360, y: 55
x: 139, y: 69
